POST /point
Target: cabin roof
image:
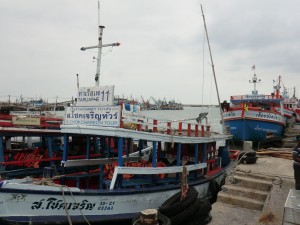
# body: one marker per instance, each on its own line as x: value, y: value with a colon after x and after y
x: 16, y: 131
x: 143, y: 135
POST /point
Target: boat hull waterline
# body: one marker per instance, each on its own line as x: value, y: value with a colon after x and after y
x: 28, y: 204
x: 253, y: 125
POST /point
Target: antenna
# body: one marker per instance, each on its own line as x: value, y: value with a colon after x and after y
x: 98, y: 13
x: 254, y: 81
x: 77, y: 81
x: 213, y: 69
x: 99, y: 46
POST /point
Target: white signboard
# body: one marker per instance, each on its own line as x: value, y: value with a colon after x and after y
x: 95, y: 96
x: 107, y: 116
x: 255, y: 115
x: 265, y: 116
x: 33, y: 121
x: 132, y: 117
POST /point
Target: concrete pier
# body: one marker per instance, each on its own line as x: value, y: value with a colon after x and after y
x: 255, y: 193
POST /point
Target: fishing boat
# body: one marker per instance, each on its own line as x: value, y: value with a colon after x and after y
x: 254, y: 117
x: 140, y: 167
x: 25, y: 139
x: 30, y: 140
x: 140, y: 163
x: 291, y: 104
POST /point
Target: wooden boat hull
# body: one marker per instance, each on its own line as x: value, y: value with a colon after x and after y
x: 36, y: 204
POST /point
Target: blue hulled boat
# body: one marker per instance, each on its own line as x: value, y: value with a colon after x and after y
x: 254, y: 117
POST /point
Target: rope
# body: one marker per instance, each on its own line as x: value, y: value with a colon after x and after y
x: 49, y: 182
x: 78, y: 208
x: 138, y: 220
x: 231, y: 174
x: 65, y: 203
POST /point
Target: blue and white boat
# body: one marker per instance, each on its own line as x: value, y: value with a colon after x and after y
x: 254, y: 117
x: 140, y: 164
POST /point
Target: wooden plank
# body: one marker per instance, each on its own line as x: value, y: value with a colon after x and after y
x: 152, y: 170
x: 159, y: 170
x: 270, y: 152
x: 90, y: 162
x: 275, y: 149
x: 183, y: 183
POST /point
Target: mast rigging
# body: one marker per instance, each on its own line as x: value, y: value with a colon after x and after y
x: 213, y: 69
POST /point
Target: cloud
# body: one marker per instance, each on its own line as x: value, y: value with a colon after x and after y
x: 163, y: 51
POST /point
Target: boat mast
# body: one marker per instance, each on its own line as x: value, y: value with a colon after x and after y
x: 77, y: 76
x: 213, y: 69
x: 99, y: 46
x: 278, y: 88
x: 254, y: 81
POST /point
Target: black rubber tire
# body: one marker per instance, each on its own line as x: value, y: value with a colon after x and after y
x: 250, y: 160
x: 203, y: 210
x: 247, y: 153
x: 214, y: 188
x: 247, y: 157
x: 223, y: 181
x: 172, y: 206
x: 186, y: 214
x: 162, y: 220
x: 201, y: 220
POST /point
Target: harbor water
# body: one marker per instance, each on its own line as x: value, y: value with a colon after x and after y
x: 192, y: 113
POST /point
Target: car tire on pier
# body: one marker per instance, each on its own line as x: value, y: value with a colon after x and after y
x: 248, y: 157
x: 172, y: 206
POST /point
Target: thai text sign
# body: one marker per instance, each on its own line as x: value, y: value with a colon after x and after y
x: 245, y: 97
x: 131, y: 116
x: 273, y: 117
x: 26, y: 121
x: 59, y: 204
x: 95, y: 96
x: 108, y: 116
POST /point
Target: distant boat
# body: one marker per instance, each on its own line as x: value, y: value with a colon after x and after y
x: 160, y: 104
x: 291, y: 104
x: 254, y: 117
x: 140, y: 164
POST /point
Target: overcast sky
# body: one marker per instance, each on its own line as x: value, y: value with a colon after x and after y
x: 163, y: 52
